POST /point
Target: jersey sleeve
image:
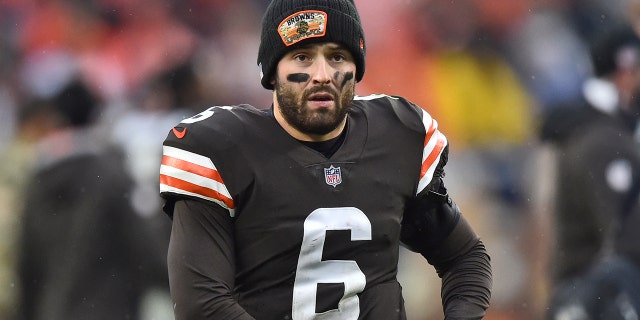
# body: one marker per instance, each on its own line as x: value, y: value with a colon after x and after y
x: 185, y: 174
x: 188, y: 169
x: 434, y: 142
x: 433, y: 154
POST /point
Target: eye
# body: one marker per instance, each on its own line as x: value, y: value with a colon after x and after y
x: 301, y: 57
x: 338, y: 57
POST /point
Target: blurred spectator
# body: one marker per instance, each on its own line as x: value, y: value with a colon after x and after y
x: 596, y: 162
x: 548, y: 54
x: 592, y: 16
x: 161, y: 102
x: 83, y: 252
x: 17, y: 159
x: 226, y: 62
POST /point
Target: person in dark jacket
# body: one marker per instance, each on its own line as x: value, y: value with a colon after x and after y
x: 598, y: 166
x: 83, y: 249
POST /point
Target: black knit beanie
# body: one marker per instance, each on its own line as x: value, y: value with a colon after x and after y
x: 290, y: 23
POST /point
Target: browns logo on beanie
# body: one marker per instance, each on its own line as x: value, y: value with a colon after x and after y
x: 288, y: 24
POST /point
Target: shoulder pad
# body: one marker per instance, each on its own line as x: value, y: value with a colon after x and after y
x: 193, y: 146
x: 408, y: 113
x: 214, y: 124
x: 413, y: 118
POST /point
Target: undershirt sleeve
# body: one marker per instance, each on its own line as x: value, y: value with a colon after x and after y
x: 434, y: 227
x: 466, y: 275
x: 201, y: 263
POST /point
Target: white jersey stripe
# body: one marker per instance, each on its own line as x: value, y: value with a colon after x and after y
x: 195, y: 179
x: 194, y: 175
x: 188, y: 156
x: 436, y: 144
x: 169, y: 189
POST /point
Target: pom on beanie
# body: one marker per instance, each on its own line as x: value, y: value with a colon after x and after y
x: 288, y: 24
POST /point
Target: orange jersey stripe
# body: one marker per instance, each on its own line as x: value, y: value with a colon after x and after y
x: 433, y: 156
x: 435, y: 152
x: 430, y: 132
x: 197, y: 189
x: 192, y: 168
x: 188, y: 173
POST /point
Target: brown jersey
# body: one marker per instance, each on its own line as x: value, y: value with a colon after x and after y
x: 314, y: 237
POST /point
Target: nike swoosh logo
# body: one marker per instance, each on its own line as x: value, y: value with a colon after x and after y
x: 178, y: 133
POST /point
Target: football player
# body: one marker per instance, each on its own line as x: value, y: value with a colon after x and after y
x: 298, y: 211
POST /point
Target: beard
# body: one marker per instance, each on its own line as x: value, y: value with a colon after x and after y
x: 315, y: 122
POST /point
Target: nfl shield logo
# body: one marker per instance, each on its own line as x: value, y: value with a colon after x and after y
x: 332, y: 176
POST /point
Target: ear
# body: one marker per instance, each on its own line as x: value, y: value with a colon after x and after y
x: 273, y: 81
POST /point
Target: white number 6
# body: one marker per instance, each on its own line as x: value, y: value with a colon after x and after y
x: 312, y: 270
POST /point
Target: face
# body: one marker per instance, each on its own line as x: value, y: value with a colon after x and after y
x: 314, y: 86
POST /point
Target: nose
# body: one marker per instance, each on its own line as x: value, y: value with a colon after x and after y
x: 322, y: 72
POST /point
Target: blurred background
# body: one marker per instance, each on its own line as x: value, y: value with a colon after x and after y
x: 488, y: 70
